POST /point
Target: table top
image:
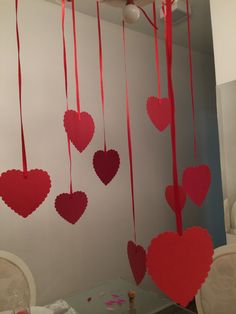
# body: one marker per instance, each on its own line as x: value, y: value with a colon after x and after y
x: 112, y: 297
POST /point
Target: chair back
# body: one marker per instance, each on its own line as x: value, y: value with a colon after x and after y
x: 16, y: 282
x: 218, y: 294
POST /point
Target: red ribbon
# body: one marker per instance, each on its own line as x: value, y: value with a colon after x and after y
x: 23, y: 148
x: 147, y: 17
x: 75, y: 58
x: 156, y: 51
x: 101, y: 74
x: 143, y: 11
x: 191, y: 80
x: 66, y: 86
x: 169, y: 48
x: 129, y: 136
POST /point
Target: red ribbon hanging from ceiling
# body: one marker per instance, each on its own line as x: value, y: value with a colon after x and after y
x: 147, y: 17
x: 191, y: 79
x: 101, y: 75
x: 156, y: 51
x: 23, y: 148
x: 75, y: 59
x: 136, y: 253
x: 66, y: 89
x: 169, y: 50
x: 79, y: 126
x: 105, y: 163
x: 129, y: 136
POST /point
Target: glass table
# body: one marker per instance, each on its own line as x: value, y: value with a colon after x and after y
x: 112, y: 297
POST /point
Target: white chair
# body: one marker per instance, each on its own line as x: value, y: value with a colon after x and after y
x: 16, y: 282
x: 227, y: 215
x: 233, y: 218
x: 218, y: 294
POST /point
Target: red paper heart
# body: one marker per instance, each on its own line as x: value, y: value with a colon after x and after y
x: 24, y: 194
x: 106, y: 164
x: 137, y: 261
x: 170, y: 197
x: 71, y: 206
x: 196, y: 182
x: 178, y: 264
x: 159, y: 111
x: 80, y: 130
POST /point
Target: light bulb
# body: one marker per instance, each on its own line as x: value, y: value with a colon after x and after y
x: 131, y: 13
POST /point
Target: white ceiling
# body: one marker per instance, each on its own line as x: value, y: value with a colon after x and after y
x: 200, y: 22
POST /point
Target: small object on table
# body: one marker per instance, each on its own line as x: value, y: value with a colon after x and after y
x: 89, y: 299
x: 131, y: 295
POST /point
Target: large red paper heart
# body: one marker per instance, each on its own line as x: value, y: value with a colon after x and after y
x: 24, y: 194
x: 159, y: 111
x: 137, y: 261
x: 106, y: 164
x: 178, y: 264
x: 71, y: 206
x: 80, y: 129
x: 196, y: 182
x: 170, y: 197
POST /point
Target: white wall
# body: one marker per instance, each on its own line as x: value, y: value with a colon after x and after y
x: 223, y: 15
x: 66, y: 258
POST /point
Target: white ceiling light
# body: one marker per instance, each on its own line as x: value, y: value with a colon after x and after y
x: 131, y: 13
x: 114, y: 3
x: 122, y: 3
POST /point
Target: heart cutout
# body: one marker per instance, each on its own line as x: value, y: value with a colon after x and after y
x: 137, y: 261
x: 71, y: 206
x: 106, y: 164
x: 196, y: 182
x: 80, y: 130
x: 159, y: 111
x: 170, y: 197
x: 178, y: 264
x: 24, y: 194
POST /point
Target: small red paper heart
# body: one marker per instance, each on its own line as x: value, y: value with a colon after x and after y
x: 106, y: 164
x: 178, y: 264
x: 80, y: 129
x: 196, y: 182
x: 24, y: 194
x: 159, y: 111
x: 137, y: 261
x: 71, y: 206
x: 170, y: 197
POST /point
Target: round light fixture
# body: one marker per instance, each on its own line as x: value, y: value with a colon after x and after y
x: 131, y: 8
x: 131, y: 13
x: 122, y: 3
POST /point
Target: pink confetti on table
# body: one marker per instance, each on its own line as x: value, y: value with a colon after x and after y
x: 110, y: 302
x: 120, y: 301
